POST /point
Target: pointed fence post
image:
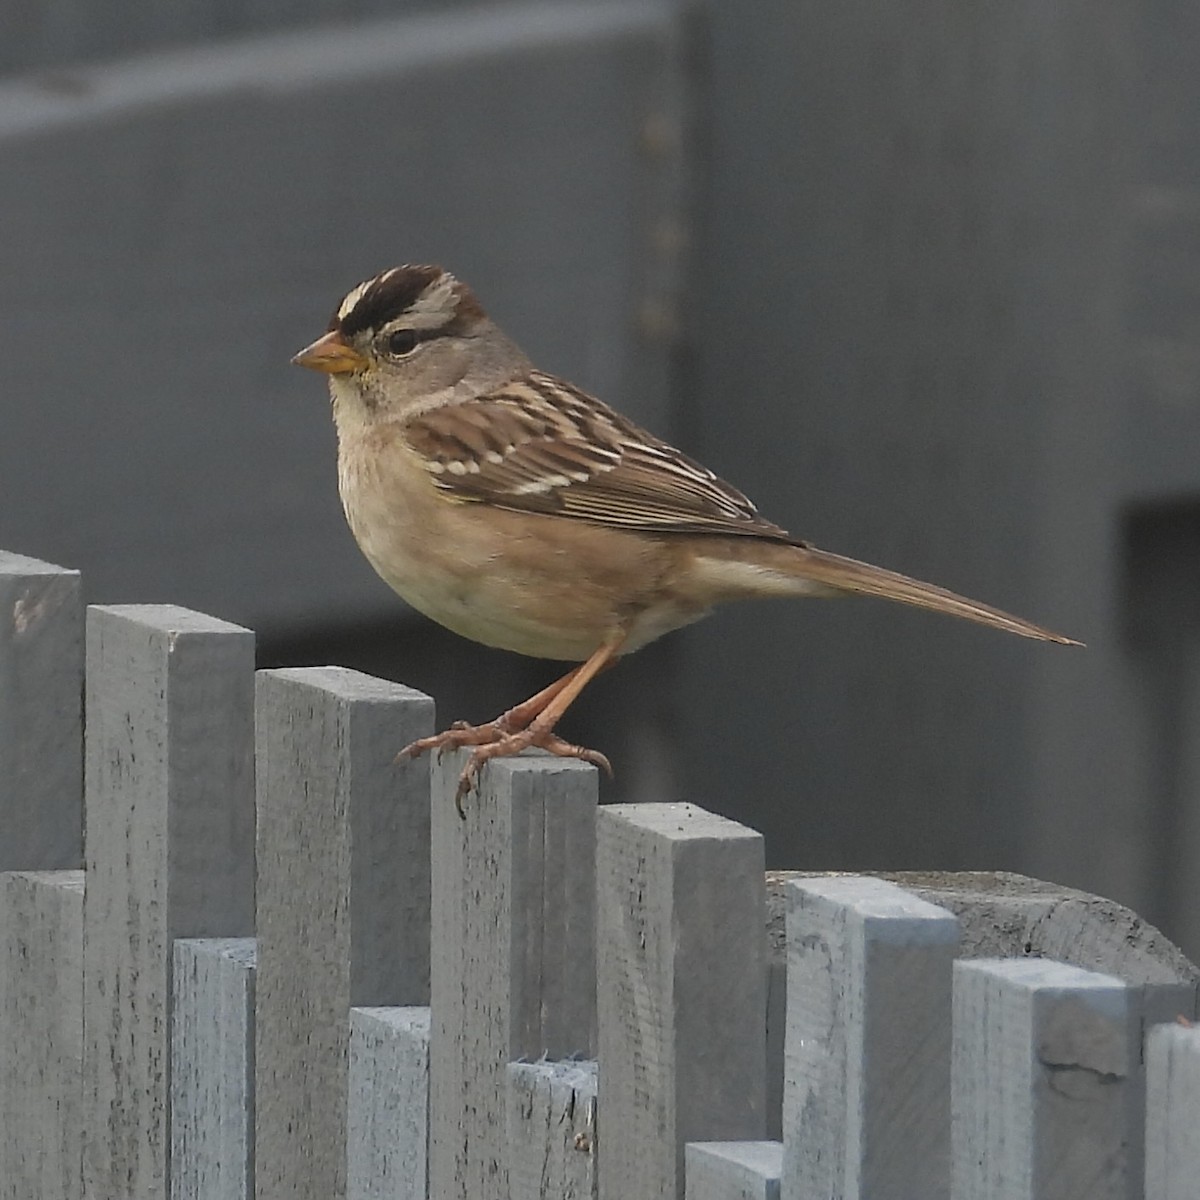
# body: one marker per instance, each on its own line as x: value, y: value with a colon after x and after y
x: 343, y: 903
x: 170, y: 853
x: 1046, y: 1058
x: 41, y: 725
x: 513, y: 964
x: 866, y: 1100
x: 734, y: 1170
x: 41, y: 907
x: 388, y: 1118
x: 552, y: 1130
x: 212, y: 1070
x: 41, y: 1034
x: 681, y: 990
x: 1172, y: 1102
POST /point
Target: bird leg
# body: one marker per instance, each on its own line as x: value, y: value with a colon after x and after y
x: 530, y: 723
x: 540, y: 731
x: 516, y: 718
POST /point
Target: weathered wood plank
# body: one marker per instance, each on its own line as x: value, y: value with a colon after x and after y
x: 733, y: 1170
x: 866, y: 1085
x: 552, y: 1130
x: 41, y: 1034
x: 41, y: 717
x: 1010, y: 916
x: 513, y: 963
x: 388, y: 1113
x: 343, y: 903
x: 169, y: 794
x: 212, y: 1069
x: 1004, y: 915
x: 1172, y: 1108
x: 682, y: 1001
x: 1042, y: 1097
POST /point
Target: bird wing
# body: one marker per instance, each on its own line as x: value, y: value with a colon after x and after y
x: 538, y: 444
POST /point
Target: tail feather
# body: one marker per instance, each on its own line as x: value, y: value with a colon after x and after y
x: 849, y: 575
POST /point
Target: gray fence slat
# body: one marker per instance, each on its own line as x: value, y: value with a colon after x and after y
x: 169, y: 796
x: 388, y: 1113
x: 866, y: 1084
x: 513, y: 963
x: 1172, y: 1105
x: 1041, y: 1086
x: 776, y: 1026
x: 212, y: 1069
x: 343, y: 902
x: 733, y: 1170
x: 681, y: 990
x: 41, y: 725
x: 552, y: 1130
x: 41, y: 1034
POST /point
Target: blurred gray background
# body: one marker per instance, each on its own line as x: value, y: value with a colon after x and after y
x: 922, y: 278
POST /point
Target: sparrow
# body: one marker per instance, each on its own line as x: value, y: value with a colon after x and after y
x: 519, y: 511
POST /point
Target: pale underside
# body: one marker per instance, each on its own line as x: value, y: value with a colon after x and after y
x: 535, y: 519
x: 549, y: 528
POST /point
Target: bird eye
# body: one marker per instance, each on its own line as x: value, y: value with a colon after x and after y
x: 403, y: 341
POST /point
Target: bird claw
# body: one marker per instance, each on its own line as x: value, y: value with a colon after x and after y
x: 458, y: 735
x: 464, y: 786
x: 556, y: 745
x: 496, y: 740
x: 506, y: 745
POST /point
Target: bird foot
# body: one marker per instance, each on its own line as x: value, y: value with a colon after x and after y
x: 496, y: 739
x: 513, y: 743
x: 458, y: 735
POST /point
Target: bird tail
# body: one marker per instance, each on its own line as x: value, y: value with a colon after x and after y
x: 762, y: 567
x: 848, y: 575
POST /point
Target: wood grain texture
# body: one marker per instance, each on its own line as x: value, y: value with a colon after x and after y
x: 41, y: 1034
x: 41, y: 717
x: 776, y: 1034
x: 1044, y: 1074
x: 212, y: 1069
x: 866, y: 1083
x: 343, y: 903
x: 681, y: 991
x: 1172, y: 1102
x: 169, y: 795
x: 552, y: 1130
x: 513, y: 963
x: 388, y: 1113
x: 733, y: 1170
x: 1005, y: 915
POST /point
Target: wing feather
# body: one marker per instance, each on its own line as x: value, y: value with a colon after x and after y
x: 541, y: 445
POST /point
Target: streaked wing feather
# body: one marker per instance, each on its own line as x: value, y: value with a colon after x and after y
x: 540, y: 445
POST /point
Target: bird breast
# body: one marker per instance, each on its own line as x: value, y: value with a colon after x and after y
x: 540, y: 585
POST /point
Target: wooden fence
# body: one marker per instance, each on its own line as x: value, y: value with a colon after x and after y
x: 294, y: 972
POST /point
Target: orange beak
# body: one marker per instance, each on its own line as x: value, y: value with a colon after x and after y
x: 332, y: 354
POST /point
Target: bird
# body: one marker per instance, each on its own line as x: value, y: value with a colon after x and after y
x: 517, y: 510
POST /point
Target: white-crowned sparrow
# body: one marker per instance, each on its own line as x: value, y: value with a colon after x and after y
x: 523, y: 513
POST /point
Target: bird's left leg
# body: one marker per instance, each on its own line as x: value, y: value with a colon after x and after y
x: 516, y: 718
x: 540, y: 730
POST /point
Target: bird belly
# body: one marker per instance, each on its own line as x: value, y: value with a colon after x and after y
x: 542, y: 586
